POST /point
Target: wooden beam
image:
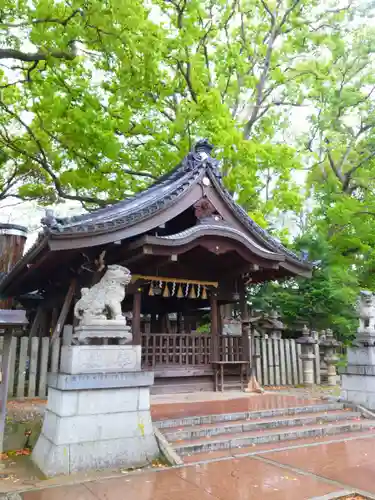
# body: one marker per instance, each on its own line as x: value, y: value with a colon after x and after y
x: 37, y: 321
x: 64, y: 311
x: 136, y: 321
x: 132, y: 259
x: 214, y: 328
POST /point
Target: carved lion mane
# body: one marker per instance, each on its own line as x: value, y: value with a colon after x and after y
x: 103, y: 300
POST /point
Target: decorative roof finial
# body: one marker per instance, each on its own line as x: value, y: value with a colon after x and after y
x: 203, y: 146
x: 49, y: 221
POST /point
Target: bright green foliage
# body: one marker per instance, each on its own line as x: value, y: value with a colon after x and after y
x: 107, y: 95
x: 100, y: 97
x: 326, y: 301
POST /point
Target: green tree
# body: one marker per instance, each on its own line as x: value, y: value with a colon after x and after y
x: 98, y: 97
x: 327, y: 300
x: 341, y: 178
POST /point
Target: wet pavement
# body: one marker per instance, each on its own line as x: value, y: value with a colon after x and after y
x: 297, y: 470
x: 213, y: 407
x: 301, y: 472
x: 243, y: 479
x: 351, y: 462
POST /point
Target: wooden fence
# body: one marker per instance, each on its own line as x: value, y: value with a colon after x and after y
x: 30, y: 361
x: 176, y: 349
x: 278, y: 361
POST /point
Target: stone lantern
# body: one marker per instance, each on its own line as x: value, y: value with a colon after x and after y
x: 307, y: 341
x: 276, y: 325
x: 270, y: 325
x: 330, y: 345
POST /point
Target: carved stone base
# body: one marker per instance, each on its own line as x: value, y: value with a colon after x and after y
x: 94, y: 359
x: 105, y: 329
x: 87, y: 429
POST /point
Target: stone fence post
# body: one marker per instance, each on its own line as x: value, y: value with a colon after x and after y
x: 307, y: 342
x: 330, y: 345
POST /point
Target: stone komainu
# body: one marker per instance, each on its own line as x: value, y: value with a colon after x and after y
x: 103, y: 300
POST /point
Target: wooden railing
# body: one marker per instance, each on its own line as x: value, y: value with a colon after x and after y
x: 178, y: 349
x: 230, y: 348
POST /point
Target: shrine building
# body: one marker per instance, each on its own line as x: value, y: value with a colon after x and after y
x: 191, y: 250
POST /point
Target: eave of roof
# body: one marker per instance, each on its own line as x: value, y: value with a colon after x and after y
x: 217, y: 230
x: 34, y: 251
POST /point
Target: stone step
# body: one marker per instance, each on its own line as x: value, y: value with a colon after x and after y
x: 264, y: 448
x: 269, y: 435
x: 248, y: 415
x: 233, y: 427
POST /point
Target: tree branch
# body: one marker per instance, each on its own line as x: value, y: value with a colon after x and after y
x: 50, y: 20
x: 44, y: 164
x: 349, y: 173
x: 266, y: 7
x: 40, y: 55
x: 287, y: 12
x: 186, y: 75
x: 262, y: 81
x: 332, y: 164
x: 84, y: 158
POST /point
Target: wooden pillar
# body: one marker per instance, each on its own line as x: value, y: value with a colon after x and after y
x: 136, y: 321
x: 153, y: 326
x: 214, y: 328
x: 220, y: 319
x: 179, y: 322
x: 246, y: 343
x: 4, y: 384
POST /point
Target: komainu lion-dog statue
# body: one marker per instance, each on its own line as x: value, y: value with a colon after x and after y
x: 103, y: 301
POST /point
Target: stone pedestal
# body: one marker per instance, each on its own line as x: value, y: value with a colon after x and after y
x: 105, y: 329
x: 98, y: 412
x: 358, y: 377
x: 307, y: 342
x: 94, y: 359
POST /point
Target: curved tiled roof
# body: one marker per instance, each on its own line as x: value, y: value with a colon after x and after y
x: 165, y: 192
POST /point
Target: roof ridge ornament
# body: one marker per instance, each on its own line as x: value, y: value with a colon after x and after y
x: 199, y: 156
x: 49, y: 221
x: 204, y: 148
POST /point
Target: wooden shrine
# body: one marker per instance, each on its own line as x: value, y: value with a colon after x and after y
x: 190, y: 248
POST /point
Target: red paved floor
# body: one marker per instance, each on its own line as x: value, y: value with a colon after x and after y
x: 244, y: 479
x: 295, y: 474
x: 302, y: 472
x: 350, y: 462
x: 251, y: 403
